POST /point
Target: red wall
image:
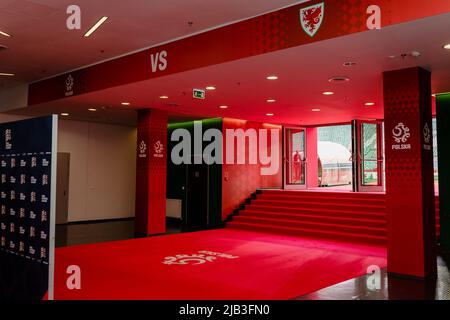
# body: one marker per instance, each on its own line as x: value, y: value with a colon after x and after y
x: 240, y: 181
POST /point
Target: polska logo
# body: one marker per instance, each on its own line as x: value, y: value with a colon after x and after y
x: 143, y: 150
x: 69, y: 85
x: 426, y: 133
x: 197, y: 258
x: 401, y: 133
x: 311, y: 18
x: 159, y: 148
x: 427, y: 137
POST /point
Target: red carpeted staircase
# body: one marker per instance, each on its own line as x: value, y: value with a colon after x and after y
x: 337, y: 215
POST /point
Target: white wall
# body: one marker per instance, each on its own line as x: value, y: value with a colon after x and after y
x: 14, y: 97
x: 102, y: 168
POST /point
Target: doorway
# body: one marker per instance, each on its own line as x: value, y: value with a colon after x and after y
x: 294, y: 158
x: 368, y: 156
x: 197, y: 195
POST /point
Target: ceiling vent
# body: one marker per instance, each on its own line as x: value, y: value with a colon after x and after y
x: 339, y: 79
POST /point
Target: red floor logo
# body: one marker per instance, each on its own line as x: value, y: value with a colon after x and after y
x: 197, y: 258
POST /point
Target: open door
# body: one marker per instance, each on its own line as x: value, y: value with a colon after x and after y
x: 368, y: 156
x: 294, y: 158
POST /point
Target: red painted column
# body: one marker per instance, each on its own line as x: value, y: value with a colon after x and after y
x: 312, y: 166
x: 409, y: 173
x: 151, y: 172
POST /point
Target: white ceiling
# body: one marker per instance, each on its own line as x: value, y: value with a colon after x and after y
x: 42, y: 46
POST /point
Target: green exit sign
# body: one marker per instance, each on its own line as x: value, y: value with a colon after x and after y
x: 199, y: 94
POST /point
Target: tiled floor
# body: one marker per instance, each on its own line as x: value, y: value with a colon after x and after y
x: 390, y: 287
x: 95, y: 232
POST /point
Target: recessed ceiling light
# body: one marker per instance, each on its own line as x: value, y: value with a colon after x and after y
x: 447, y: 46
x: 269, y: 114
x: 271, y: 100
x: 315, y: 110
x: 5, y: 34
x: 392, y: 56
x: 349, y: 64
x: 223, y: 107
x: 7, y: 74
x: 328, y: 93
x: 164, y: 97
x: 369, y: 104
x: 272, y: 78
x: 339, y: 79
x: 92, y: 109
x: 64, y: 114
x: 125, y: 103
x: 210, y: 88
x: 96, y: 26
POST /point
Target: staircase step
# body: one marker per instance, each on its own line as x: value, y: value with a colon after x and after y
x: 356, y: 217
x: 310, y: 233
x: 319, y: 205
x: 338, y: 195
x: 319, y: 212
x: 312, y: 225
x: 315, y: 218
x: 322, y: 199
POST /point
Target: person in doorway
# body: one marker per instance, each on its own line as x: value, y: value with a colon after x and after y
x: 297, y: 166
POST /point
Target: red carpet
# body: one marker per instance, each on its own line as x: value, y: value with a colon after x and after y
x: 266, y: 266
x: 347, y: 216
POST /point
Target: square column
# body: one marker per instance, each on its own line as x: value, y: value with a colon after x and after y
x: 409, y: 173
x: 151, y: 172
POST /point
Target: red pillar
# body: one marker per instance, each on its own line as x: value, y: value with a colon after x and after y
x: 312, y: 171
x: 409, y: 173
x: 151, y: 172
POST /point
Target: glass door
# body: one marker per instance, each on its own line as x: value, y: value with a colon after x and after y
x: 294, y: 158
x: 368, y: 160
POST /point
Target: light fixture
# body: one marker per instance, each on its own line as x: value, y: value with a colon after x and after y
x: 7, y: 74
x: 369, y: 104
x: 446, y: 46
x: 223, y: 107
x: 96, y: 26
x: 164, y: 97
x: 125, y: 103
x: 349, y: 64
x: 339, y: 79
x: 272, y: 78
x: 269, y: 114
x: 271, y: 100
x: 92, y: 109
x: 65, y: 114
x: 5, y: 34
x: 328, y: 93
x: 315, y: 110
x: 210, y: 88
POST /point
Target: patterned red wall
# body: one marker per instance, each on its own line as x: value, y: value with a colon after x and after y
x: 409, y: 173
x: 240, y: 181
